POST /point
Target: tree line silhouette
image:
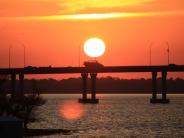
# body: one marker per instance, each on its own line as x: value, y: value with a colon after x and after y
x: 104, y: 85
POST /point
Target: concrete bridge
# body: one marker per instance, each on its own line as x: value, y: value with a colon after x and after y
x: 93, y: 71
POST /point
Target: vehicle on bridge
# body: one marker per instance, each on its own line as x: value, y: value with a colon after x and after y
x: 30, y: 67
x: 172, y: 65
x: 93, y: 64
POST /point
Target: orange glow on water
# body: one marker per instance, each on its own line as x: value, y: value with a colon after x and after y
x: 71, y: 110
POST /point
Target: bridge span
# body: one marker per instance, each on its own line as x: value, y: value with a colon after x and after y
x: 105, y: 69
x: 93, y: 71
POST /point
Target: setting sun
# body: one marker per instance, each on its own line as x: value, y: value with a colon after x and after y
x: 94, y: 47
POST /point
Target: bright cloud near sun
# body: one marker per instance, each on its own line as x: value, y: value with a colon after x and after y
x: 98, y: 16
x: 87, y: 9
x: 77, y: 5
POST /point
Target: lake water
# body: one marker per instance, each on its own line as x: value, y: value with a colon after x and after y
x: 115, y: 116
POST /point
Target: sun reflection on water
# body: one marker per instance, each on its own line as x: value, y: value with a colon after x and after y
x: 71, y: 110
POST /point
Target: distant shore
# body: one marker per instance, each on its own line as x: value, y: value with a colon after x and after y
x: 106, y: 85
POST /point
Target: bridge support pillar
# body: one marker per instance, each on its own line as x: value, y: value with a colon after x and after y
x: 93, y: 87
x: 154, y: 88
x: 84, y: 82
x: 21, y: 84
x: 93, y: 99
x: 13, y: 84
x: 84, y: 88
x: 164, y: 87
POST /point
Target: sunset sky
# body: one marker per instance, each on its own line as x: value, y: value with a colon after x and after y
x: 53, y: 30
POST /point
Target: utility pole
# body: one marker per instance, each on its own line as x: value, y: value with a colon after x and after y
x: 24, y: 54
x: 9, y: 60
x: 150, y: 54
x: 79, y: 56
x: 168, y: 53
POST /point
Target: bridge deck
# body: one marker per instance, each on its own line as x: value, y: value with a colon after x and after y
x: 105, y: 69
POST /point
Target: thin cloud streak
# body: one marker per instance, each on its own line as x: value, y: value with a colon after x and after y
x: 75, y: 6
x: 96, y: 16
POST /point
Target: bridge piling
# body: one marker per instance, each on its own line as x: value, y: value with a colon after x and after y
x: 13, y: 84
x: 154, y: 85
x: 164, y: 88
x: 21, y: 84
x: 84, y: 98
x: 84, y: 80
x: 84, y: 88
x: 154, y: 88
x: 93, y: 87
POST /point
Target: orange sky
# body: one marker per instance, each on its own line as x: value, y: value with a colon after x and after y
x: 53, y: 30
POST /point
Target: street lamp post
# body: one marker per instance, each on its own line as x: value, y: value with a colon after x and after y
x: 150, y: 54
x: 24, y: 54
x: 168, y: 53
x: 79, y: 54
x: 10, y: 56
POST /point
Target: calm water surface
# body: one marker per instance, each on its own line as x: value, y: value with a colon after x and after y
x: 115, y: 116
